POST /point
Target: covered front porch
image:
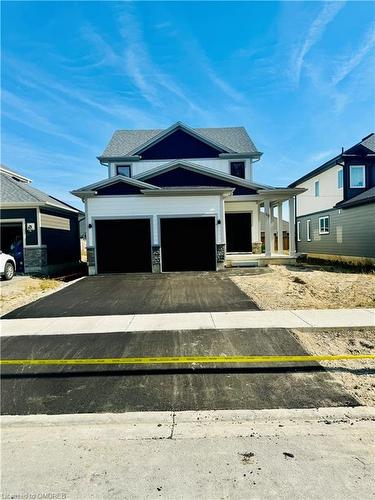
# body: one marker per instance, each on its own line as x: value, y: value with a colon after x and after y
x: 256, y: 234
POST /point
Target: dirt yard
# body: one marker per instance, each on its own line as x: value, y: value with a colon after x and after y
x: 308, y: 287
x: 357, y: 376
x: 22, y: 290
x: 312, y: 287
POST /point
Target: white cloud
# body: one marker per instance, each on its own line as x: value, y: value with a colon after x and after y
x: 321, y: 155
x: 346, y: 68
x: 315, y: 32
x: 27, y: 112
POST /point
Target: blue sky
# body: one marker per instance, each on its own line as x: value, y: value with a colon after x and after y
x: 298, y: 75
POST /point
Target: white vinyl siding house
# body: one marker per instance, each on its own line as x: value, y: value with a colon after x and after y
x: 156, y: 212
x: 326, y: 195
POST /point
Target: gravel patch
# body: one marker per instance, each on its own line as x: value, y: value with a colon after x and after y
x: 358, y: 377
x: 303, y: 287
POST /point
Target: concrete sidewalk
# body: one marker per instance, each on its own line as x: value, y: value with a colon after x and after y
x: 308, y: 318
x: 312, y: 453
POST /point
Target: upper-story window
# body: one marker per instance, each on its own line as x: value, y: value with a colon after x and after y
x: 237, y: 168
x: 317, y: 188
x: 340, y: 179
x: 123, y: 170
x: 357, y: 176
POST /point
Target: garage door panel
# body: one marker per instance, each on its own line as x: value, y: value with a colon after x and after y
x: 123, y: 245
x: 188, y: 244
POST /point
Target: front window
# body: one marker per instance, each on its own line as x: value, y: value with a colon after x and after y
x: 340, y: 179
x: 357, y: 176
x: 123, y: 170
x: 317, y: 188
x: 308, y: 230
x: 298, y: 231
x: 237, y: 168
x: 324, y: 225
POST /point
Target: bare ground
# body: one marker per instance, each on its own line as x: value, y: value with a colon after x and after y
x: 22, y: 290
x: 308, y: 287
x: 311, y: 287
x: 358, y: 377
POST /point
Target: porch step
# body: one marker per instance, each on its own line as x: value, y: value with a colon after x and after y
x: 241, y: 263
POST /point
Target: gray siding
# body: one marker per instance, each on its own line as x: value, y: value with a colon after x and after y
x: 352, y: 232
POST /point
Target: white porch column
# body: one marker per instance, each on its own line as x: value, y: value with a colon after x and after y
x: 272, y: 223
x: 292, y: 227
x: 259, y: 238
x: 267, y: 228
x: 280, y: 246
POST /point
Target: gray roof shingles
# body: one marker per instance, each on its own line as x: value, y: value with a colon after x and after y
x: 124, y: 142
x: 369, y: 142
x: 22, y: 193
x: 367, y: 196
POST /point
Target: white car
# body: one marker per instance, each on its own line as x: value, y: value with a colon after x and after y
x: 7, y: 266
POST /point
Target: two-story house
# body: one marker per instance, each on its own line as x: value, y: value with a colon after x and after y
x: 180, y: 199
x: 336, y: 213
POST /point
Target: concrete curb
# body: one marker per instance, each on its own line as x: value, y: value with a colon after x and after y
x: 189, y: 417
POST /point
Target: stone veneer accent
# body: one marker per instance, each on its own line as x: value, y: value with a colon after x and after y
x: 220, y: 252
x: 156, y: 259
x: 90, y: 256
x: 35, y: 259
x: 257, y: 247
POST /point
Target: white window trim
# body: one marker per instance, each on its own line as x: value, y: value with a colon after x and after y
x: 317, y: 183
x: 320, y: 230
x: 308, y: 229
x: 298, y: 230
x: 363, y: 167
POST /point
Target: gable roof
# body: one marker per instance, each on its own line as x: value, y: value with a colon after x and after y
x: 201, y: 170
x: 91, y: 188
x: 13, y: 173
x: 19, y: 193
x: 361, y: 199
x: 125, y: 143
x: 368, y: 142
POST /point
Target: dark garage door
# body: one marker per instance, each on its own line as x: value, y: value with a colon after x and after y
x: 123, y: 245
x: 188, y: 244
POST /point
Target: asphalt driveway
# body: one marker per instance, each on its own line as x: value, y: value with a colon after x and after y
x: 141, y: 294
x: 82, y: 389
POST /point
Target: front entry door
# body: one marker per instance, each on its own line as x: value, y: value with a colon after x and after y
x: 238, y: 232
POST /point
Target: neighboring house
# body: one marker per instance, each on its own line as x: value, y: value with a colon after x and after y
x: 274, y: 226
x: 178, y: 199
x: 336, y: 213
x: 42, y: 230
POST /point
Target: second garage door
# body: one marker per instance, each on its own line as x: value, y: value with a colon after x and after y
x: 123, y: 245
x: 188, y: 244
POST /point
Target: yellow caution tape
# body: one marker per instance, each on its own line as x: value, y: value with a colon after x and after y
x: 185, y: 360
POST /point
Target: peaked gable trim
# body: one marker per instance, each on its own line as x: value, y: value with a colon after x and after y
x: 201, y: 170
x: 169, y: 131
x: 91, y: 189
